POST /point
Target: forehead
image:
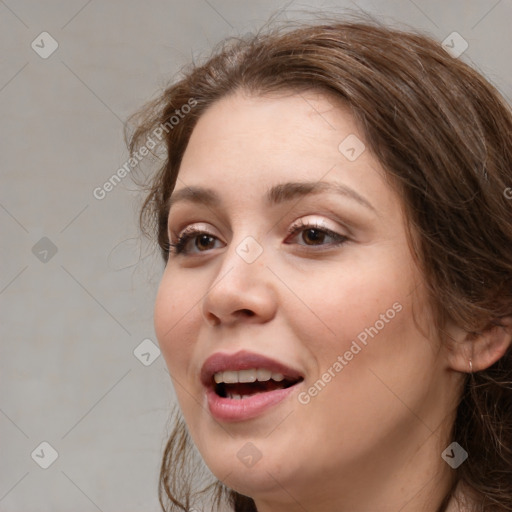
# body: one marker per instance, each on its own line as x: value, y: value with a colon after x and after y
x: 284, y: 121
x: 248, y: 142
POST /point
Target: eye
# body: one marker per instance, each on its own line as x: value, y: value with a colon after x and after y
x: 193, y: 238
x: 315, y: 234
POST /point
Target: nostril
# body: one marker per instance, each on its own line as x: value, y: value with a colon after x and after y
x: 247, y: 312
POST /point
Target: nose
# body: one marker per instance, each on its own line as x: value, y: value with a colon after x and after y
x: 241, y: 291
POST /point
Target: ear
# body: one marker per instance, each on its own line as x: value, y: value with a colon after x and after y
x: 482, y: 349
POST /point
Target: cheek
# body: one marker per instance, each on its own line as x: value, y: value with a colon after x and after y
x: 371, y: 319
x: 353, y: 301
x: 175, y: 320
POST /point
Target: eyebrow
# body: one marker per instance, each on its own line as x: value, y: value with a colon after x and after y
x: 277, y: 194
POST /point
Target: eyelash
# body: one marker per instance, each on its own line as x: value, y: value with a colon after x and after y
x: 189, y: 233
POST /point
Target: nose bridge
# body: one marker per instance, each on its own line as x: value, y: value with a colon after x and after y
x: 243, y: 264
x: 241, y: 284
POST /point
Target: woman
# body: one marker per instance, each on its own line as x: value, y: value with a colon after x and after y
x: 336, y: 306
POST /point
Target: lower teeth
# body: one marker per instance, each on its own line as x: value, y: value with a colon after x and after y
x: 240, y: 397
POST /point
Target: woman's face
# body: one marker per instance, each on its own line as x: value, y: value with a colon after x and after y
x: 317, y: 278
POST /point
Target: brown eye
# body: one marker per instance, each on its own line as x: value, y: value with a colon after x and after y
x: 204, y: 242
x: 313, y: 236
x: 193, y: 241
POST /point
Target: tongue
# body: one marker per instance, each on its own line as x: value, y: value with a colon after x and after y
x: 249, y: 388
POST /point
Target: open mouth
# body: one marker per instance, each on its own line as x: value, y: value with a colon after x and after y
x: 238, y: 385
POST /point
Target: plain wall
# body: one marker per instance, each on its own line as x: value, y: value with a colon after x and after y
x: 70, y: 321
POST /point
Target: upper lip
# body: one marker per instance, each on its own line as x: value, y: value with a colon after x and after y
x: 243, y: 360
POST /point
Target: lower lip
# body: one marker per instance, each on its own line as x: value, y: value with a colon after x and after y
x: 228, y: 409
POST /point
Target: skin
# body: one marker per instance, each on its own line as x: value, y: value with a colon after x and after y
x: 371, y: 440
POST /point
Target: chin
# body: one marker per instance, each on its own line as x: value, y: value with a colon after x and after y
x: 250, y: 471
x: 255, y: 481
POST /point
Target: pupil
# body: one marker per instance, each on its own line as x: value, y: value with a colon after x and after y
x: 314, y: 235
x: 203, y: 241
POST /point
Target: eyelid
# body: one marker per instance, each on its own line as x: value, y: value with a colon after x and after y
x: 318, y: 222
x: 185, y: 236
x: 302, y: 225
x: 192, y: 227
x: 332, y: 218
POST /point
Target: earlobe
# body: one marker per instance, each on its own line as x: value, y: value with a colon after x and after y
x: 469, y: 352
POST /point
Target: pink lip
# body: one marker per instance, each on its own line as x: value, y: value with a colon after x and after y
x: 227, y: 409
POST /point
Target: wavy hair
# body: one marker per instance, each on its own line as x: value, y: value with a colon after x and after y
x: 443, y: 135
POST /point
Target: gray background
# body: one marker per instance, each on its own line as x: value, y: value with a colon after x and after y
x: 71, y: 321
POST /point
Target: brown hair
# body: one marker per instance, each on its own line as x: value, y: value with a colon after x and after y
x: 443, y: 134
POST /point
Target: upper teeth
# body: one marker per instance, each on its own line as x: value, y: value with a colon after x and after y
x: 260, y: 374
